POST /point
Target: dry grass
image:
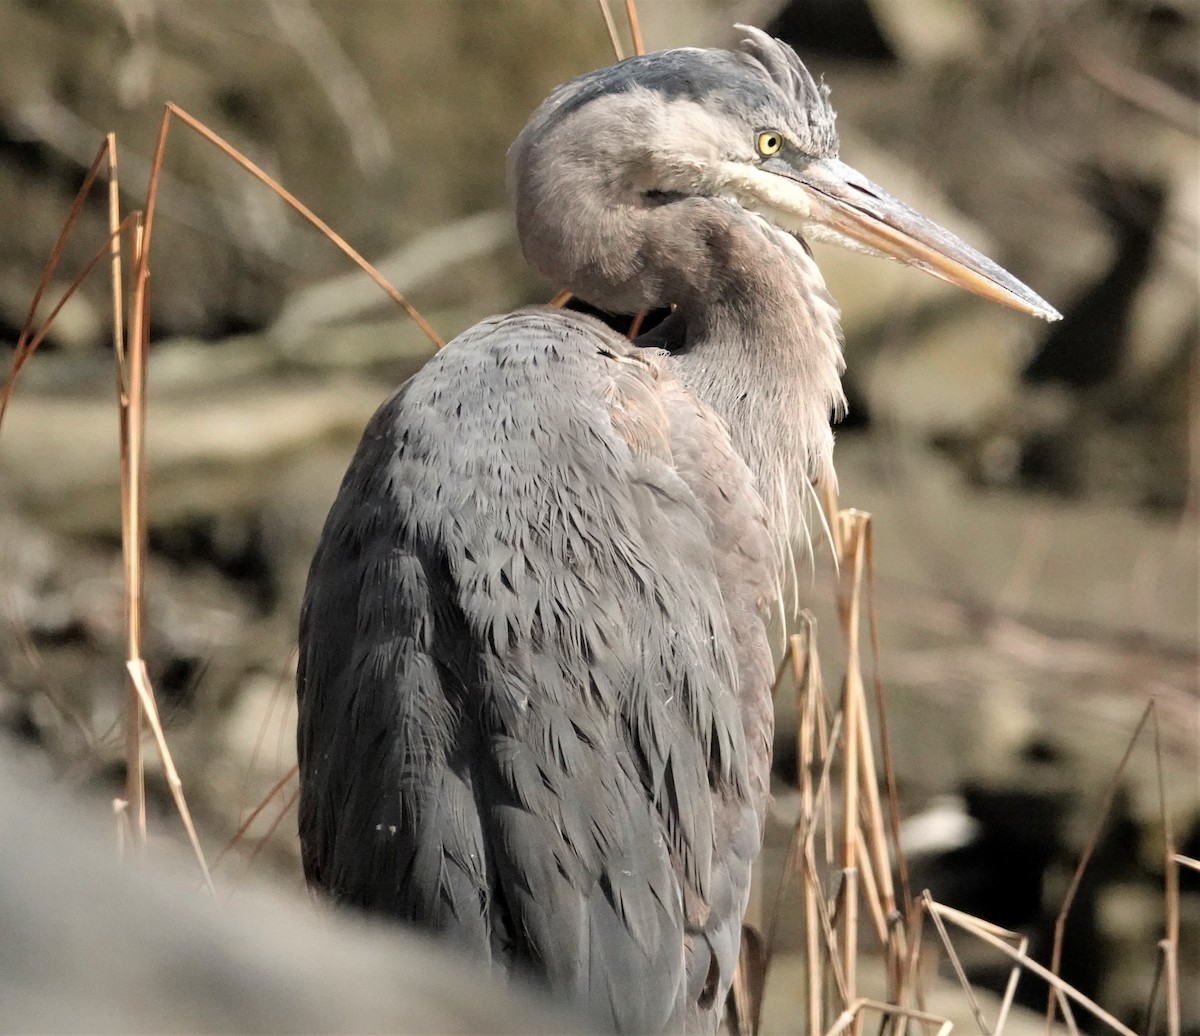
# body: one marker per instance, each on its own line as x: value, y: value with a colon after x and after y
x: 844, y: 850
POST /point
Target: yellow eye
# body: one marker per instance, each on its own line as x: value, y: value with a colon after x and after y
x: 769, y: 142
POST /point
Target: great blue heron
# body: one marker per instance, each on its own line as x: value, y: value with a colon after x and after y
x: 534, y: 678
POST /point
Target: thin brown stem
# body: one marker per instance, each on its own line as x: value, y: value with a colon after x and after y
x: 141, y: 682
x: 229, y: 150
x: 23, y: 349
x: 635, y: 31
x: 284, y: 810
x: 276, y: 788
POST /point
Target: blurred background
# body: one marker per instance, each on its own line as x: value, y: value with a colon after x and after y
x: 1035, y: 487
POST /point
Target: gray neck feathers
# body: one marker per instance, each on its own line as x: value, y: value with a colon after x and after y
x: 762, y: 344
x: 765, y: 353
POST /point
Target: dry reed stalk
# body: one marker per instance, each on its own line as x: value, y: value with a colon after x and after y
x: 855, y: 738
x: 132, y: 449
x: 960, y: 972
x: 131, y: 407
x: 141, y: 681
x: 635, y: 32
x: 851, y: 1016
x: 611, y: 26
x: 334, y: 237
x: 889, y: 770
x: 130, y: 345
x: 861, y: 860
x: 806, y: 671
x: 992, y: 935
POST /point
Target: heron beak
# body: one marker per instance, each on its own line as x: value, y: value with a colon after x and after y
x: 844, y: 206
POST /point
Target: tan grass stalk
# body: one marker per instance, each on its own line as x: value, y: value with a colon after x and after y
x: 870, y: 887
x: 828, y: 931
x: 912, y: 964
x: 611, y: 26
x: 131, y: 404
x: 230, y: 151
x: 115, y: 269
x: 806, y: 670
x: 988, y: 933
x: 851, y: 1016
x: 959, y: 972
x: 1186, y: 861
x: 141, y: 681
x: 885, y: 748
x: 1010, y: 992
x: 852, y: 740
x: 635, y: 31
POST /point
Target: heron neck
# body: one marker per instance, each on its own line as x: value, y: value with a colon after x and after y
x: 764, y: 351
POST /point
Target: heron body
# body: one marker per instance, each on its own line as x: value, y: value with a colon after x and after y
x: 534, y: 679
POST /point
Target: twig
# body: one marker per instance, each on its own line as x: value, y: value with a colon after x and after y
x: 131, y: 406
x: 956, y: 963
x: 141, y: 681
x: 337, y: 239
x: 284, y: 810
x: 806, y: 670
x: 276, y: 788
x: 609, y: 24
x: 985, y: 933
x: 885, y: 741
x: 852, y: 742
x: 24, y: 349
x: 850, y: 1016
x: 635, y: 31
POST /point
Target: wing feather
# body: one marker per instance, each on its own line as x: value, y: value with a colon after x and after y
x: 522, y: 719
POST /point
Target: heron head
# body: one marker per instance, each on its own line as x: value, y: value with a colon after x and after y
x: 751, y: 128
